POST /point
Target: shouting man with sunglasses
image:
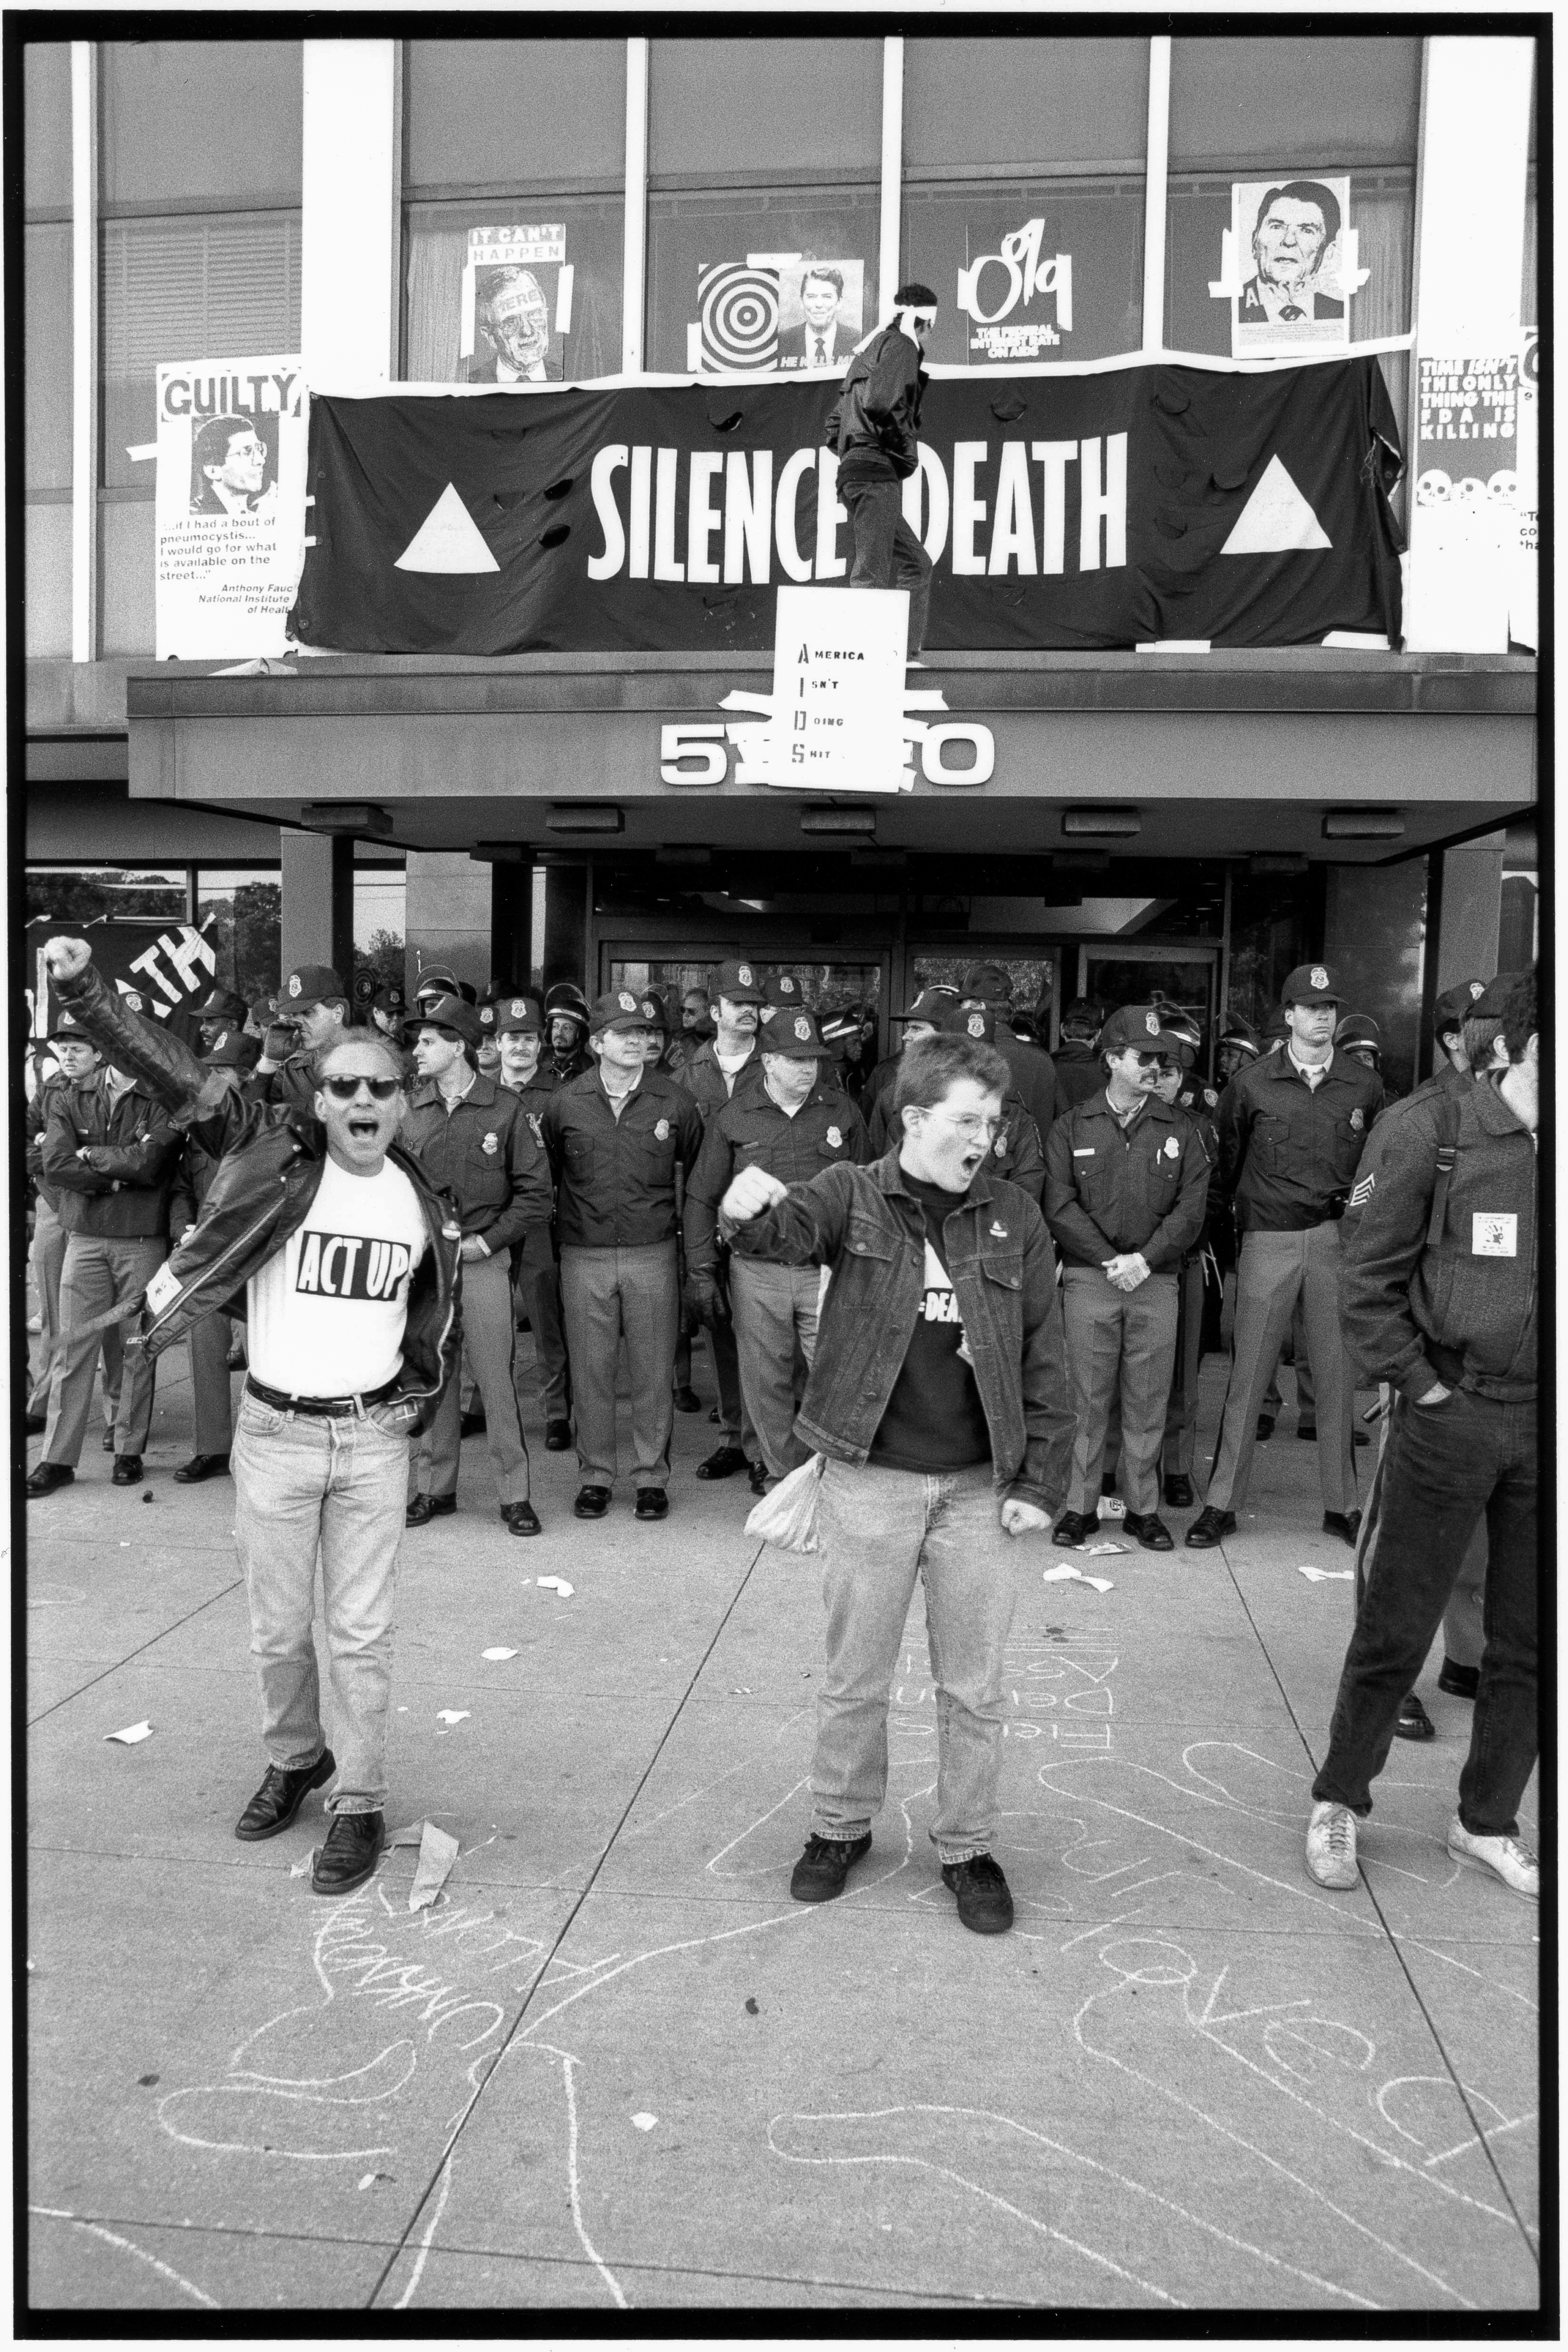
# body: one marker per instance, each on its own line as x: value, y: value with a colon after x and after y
x: 1126, y: 1181
x: 342, y: 1256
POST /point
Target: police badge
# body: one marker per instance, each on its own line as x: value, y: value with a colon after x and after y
x: 1358, y: 1119
x: 975, y: 1024
x: 294, y: 988
x: 744, y: 974
x: 835, y: 1138
x: 628, y: 1003
x: 803, y: 1030
x: 1152, y: 1022
x: 491, y: 1143
x: 661, y: 1132
x: 1319, y: 976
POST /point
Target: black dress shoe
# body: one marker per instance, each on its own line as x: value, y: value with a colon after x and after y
x: 686, y: 1401
x: 558, y: 1437
x: 280, y: 1796
x: 472, y: 1424
x: 1210, y: 1527
x: 201, y: 1466
x: 716, y: 1417
x: 35, y: 1423
x: 423, y: 1508
x: 127, y: 1470
x: 985, y: 1903
x: 1150, y: 1529
x: 1460, y: 1682
x: 652, y: 1503
x: 46, y: 1477
x: 827, y: 1863
x: 757, y: 1478
x: 521, y: 1518
x: 723, y: 1462
x: 1307, y: 1432
x: 1179, y: 1494
x: 1265, y: 1429
x: 592, y: 1503
x: 1346, y: 1525
x: 109, y: 1441
x: 1075, y: 1526
x: 1413, y: 1721
x: 351, y: 1853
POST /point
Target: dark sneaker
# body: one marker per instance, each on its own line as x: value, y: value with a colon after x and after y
x: 127, y: 1470
x: 558, y: 1437
x: 757, y: 1477
x: 1346, y: 1525
x: 1460, y: 1682
x: 1150, y: 1530
x: 1265, y: 1429
x: 1413, y: 1721
x: 652, y: 1503
x: 351, y: 1853
x: 686, y: 1401
x: 1179, y: 1495
x: 827, y: 1863
x: 591, y: 1502
x: 280, y: 1796
x: 46, y: 1477
x: 983, y: 1903
x: 1075, y: 1526
x: 200, y: 1468
x: 423, y: 1508
x: 521, y: 1518
x: 1210, y: 1527
x: 725, y: 1461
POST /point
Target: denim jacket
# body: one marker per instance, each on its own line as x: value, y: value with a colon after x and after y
x: 865, y: 1225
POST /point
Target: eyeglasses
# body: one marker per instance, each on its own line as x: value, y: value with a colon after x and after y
x: 345, y: 1091
x: 970, y: 1125
x: 1160, y: 1062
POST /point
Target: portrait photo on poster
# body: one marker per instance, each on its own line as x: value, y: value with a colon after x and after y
x: 234, y: 463
x: 1291, y: 258
x: 516, y: 304
x: 229, y: 505
x: 821, y: 307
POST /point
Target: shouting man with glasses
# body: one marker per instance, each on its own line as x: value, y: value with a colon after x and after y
x: 938, y: 1396
x: 342, y: 1256
x: 1127, y: 1183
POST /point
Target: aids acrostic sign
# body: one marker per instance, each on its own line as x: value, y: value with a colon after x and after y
x: 1074, y: 511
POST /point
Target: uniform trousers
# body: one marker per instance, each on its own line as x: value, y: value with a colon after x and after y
x: 774, y: 1308
x: 212, y: 1406
x: 1119, y: 1344
x: 47, y: 1255
x: 734, y: 1417
x: 98, y: 1272
x: 608, y: 1294
x: 1181, y: 1409
x: 1276, y: 1269
x: 490, y: 1342
x: 539, y: 1297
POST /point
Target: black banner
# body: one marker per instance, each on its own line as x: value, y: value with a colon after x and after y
x: 1075, y: 512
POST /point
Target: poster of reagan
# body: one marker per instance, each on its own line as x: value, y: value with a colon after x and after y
x: 1294, y: 257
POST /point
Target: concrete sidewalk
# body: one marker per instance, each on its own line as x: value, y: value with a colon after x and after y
x: 616, y: 2067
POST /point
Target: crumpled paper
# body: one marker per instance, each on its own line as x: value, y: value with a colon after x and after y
x: 437, y: 1852
x: 1327, y: 1575
x: 556, y: 1584
x: 1068, y: 1574
x: 131, y: 1735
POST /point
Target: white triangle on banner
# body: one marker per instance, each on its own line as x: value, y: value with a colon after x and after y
x: 449, y: 540
x: 1275, y: 518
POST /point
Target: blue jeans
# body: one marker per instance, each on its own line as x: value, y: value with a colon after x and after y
x: 1445, y: 1467
x: 306, y: 1484
x: 878, y: 1530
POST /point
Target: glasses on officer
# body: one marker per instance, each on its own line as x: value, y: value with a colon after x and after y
x: 1163, y: 1063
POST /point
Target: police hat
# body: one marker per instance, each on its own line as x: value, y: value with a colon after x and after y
x: 224, y: 1005
x: 452, y: 1016
x: 231, y: 1049
x: 1359, y: 1029
x: 62, y: 1023
x: 932, y: 1005
x: 838, y: 1030
x: 390, y: 1001
x: 565, y: 996
x: 782, y: 988
x: 976, y: 1021
x: 991, y: 982
x: 1492, y: 1001
x: 1238, y: 1032
x: 263, y: 1010
x: 618, y: 1008
x: 795, y: 1034
x: 1144, y: 1026
x: 517, y: 1016
x: 1455, y: 1006
x: 1310, y: 983
x: 1082, y: 1018
x: 308, y: 984
x: 653, y: 1004
x: 738, y: 981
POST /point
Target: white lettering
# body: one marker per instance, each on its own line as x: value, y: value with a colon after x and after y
x: 930, y: 479
x: 334, y: 1242
x: 1013, y: 536
x: 968, y: 512
x: 703, y: 517
x: 830, y: 513
x: 1053, y: 457
x: 147, y: 962
x: 640, y: 507
x: 1109, y: 503
x: 606, y: 462
x: 747, y: 511
x: 309, y: 1274
x: 983, y: 743
x: 664, y: 566
x: 375, y: 1268
x: 795, y: 565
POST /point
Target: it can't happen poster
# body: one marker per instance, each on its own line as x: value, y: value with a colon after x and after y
x: 230, y: 505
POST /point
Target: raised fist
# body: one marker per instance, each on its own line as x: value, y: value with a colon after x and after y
x: 64, y: 958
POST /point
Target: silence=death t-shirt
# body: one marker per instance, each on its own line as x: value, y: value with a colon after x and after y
x: 934, y: 1419
x: 326, y: 1313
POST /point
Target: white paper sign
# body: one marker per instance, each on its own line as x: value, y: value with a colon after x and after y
x: 839, y: 658
x: 230, y: 506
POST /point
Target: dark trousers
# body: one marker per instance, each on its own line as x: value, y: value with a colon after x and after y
x: 1446, y: 1465
x: 887, y: 553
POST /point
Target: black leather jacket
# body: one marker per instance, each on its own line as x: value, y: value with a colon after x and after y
x: 271, y: 1161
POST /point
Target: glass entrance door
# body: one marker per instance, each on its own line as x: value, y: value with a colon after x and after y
x: 828, y: 985
x: 1132, y: 975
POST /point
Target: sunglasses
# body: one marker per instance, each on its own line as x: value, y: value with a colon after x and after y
x: 343, y: 1090
x: 1155, y: 1061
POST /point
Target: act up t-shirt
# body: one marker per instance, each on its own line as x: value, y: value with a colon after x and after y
x: 934, y: 1419
x: 326, y: 1315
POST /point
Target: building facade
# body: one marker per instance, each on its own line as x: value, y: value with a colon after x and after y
x: 1195, y: 818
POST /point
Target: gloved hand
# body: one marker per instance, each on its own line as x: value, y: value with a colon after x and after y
x: 705, y: 1298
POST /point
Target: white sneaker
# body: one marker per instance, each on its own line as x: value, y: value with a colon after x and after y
x: 1330, y: 1844
x: 1513, y: 1863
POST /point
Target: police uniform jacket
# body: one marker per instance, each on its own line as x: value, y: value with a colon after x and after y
x: 1200, y: 1102
x: 752, y: 1131
x: 120, y: 1191
x: 1078, y: 1075
x: 883, y: 1073
x: 703, y: 1079
x: 1016, y: 1149
x: 483, y: 1154
x: 1287, y: 1152
x: 1033, y: 1075
x: 37, y: 1117
x: 616, y: 1178
x: 536, y: 1096
x: 1111, y: 1189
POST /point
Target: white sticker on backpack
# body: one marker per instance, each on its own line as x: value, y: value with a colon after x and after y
x: 1494, y: 1235
x: 163, y: 1287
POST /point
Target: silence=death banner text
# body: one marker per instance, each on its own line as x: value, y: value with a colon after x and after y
x: 1075, y: 512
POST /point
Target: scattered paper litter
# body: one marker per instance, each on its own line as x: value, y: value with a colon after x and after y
x: 1098, y: 1550
x: 498, y: 1654
x: 1068, y: 1574
x: 645, y: 2122
x: 132, y: 1733
x: 437, y: 1852
x: 556, y: 1584
x: 369, y: 2180
x: 303, y: 1869
x: 1112, y: 1507
x: 125, y: 1543
x: 450, y: 1714
x: 1327, y: 1575
x: 1100, y: 1584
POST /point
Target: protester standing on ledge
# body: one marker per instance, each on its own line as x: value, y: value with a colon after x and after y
x: 874, y: 430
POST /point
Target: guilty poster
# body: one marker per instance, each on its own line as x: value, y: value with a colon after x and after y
x: 230, y: 506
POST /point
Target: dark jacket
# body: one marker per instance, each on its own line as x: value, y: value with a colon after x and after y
x: 752, y: 1131
x: 271, y: 1160
x: 1417, y: 1312
x: 883, y: 1073
x: 877, y: 413
x: 1034, y: 1077
x: 484, y: 1155
x: 702, y: 1077
x: 1016, y: 1149
x: 1112, y: 1189
x: 1079, y: 1073
x: 1200, y: 1102
x: 120, y: 1190
x: 614, y: 1178
x: 1287, y: 1153
x: 869, y: 1229
x: 37, y: 1116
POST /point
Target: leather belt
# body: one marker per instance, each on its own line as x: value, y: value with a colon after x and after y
x: 333, y: 1407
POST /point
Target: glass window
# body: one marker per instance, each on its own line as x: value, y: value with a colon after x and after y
x: 47, y: 354
x: 805, y: 109
x: 381, y: 896
x: 521, y: 314
x: 727, y: 270
x: 80, y: 894
x: 509, y: 114
x: 1035, y: 978
x: 46, y: 125
x: 199, y: 121
x: 240, y: 910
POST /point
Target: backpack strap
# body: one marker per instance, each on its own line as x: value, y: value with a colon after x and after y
x: 1448, y: 1152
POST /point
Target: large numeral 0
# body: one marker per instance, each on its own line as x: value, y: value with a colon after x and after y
x: 704, y: 743
x: 934, y: 767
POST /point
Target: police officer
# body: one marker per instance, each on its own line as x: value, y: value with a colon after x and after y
x: 711, y: 1076
x: 223, y: 1008
x: 1291, y: 1131
x: 566, y: 1033
x: 925, y: 1011
x: 1359, y: 1035
x: 387, y: 1008
x: 990, y: 986
x: 1198, y: 1274
x: 73, y: 1061
x: 210, y: 1340
x: 519, y: 1035
x: 473, y: 1141
x: 1236, y: 1047
x: 794, y: 1124
x: 1075, y: 1061
x: 490, y: 1051
x: 315, y: 1005
x: 1016, y: 1149
x: 616, y: 1138
x: 1127, y: 1183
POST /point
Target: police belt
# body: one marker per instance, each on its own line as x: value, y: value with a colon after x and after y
x: 333, y: 1407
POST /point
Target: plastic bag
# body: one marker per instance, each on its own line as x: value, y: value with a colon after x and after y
x: 787, y: 1517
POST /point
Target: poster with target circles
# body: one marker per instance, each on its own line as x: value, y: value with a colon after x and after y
x: 736, y: 331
